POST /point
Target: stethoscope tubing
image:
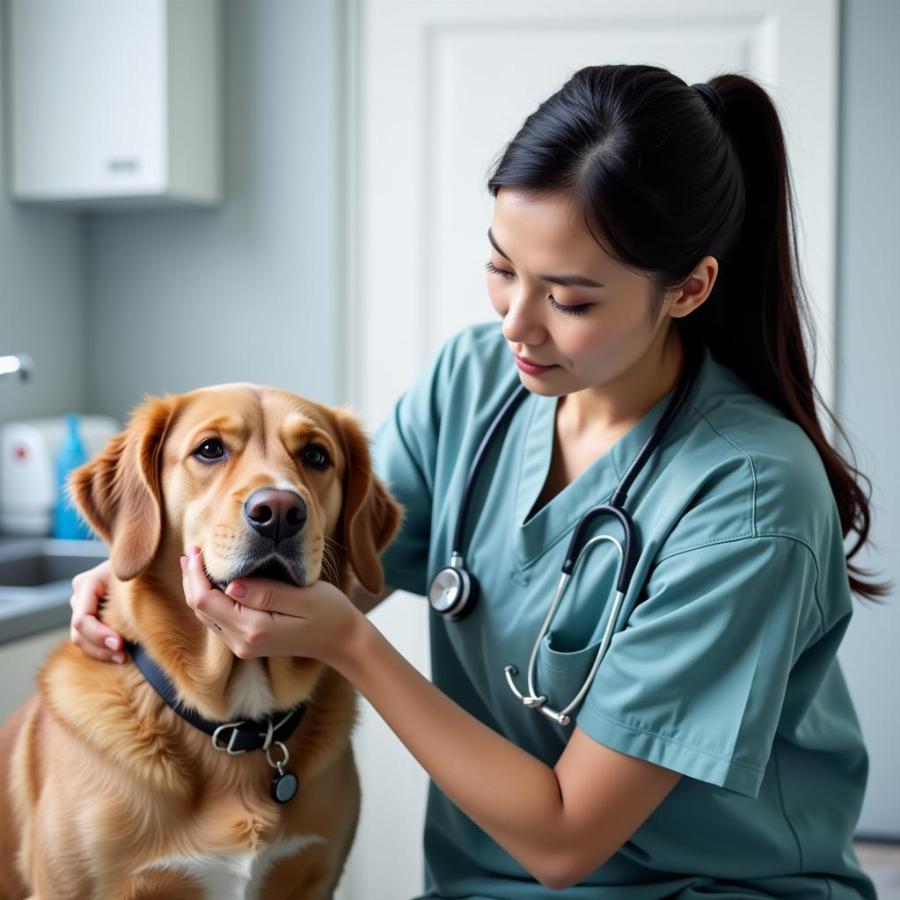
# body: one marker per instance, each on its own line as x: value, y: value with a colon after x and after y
x: 464, y: 584
x: 535, y: 701
x: 517, y: 396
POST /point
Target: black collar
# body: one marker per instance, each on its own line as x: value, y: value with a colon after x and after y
x: 246, y: 734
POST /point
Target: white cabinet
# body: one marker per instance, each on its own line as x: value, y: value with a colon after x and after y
x: 115, y: 102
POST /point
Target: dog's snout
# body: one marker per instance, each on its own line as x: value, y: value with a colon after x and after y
x: 274, y: 513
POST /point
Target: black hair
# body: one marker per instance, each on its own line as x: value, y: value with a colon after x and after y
x: 664, y: 174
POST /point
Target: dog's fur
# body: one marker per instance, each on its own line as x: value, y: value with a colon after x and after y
x: 109, y: 794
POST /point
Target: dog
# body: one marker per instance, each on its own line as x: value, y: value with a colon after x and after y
x: 109, y: 792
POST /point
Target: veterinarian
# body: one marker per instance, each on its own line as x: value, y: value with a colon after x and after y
x: 640, y: 245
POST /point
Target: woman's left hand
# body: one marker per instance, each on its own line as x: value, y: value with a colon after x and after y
x: 272, y: 618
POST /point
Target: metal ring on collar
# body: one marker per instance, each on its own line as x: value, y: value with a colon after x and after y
x: 228, y: 749
x: 284, y: 750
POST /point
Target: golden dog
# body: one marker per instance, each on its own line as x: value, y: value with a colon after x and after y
x: 109, y: 793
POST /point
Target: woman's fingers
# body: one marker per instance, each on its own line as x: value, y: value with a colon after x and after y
x: 235, y: 622
x: 268, y: 596
x: 86, y: 631
x: 197, y: 587
x: 89, y: 634
x: 206, y: 620
x: 211, y: 606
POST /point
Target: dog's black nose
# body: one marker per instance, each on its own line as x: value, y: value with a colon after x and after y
x: 275, y: 514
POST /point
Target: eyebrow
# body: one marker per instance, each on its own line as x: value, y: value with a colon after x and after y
x: 305, y: 428
x: 297, y: 428
x: 579, y: 280
x: 226, y: 424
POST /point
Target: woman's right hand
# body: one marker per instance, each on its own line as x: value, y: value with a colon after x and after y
x: 86, y: 630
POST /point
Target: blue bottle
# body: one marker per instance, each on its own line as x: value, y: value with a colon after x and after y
x: 67, y: 522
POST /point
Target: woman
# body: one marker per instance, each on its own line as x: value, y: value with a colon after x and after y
x: 636, y: 221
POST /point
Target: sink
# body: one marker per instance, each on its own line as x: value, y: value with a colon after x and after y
x: 36, y: 581
x: 35, y: 563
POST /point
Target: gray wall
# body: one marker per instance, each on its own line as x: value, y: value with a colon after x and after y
x: 42, y: 298
x: 246, y: 292
x: 868, y: 372
x: 118, y: 304
x: 42, y: 310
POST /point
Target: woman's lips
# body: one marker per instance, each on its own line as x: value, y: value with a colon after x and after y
x: 531, y: 368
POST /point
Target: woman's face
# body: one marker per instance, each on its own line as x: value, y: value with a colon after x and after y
x: 565, y: 302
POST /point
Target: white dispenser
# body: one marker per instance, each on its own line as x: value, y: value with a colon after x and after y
x: 27, y: 476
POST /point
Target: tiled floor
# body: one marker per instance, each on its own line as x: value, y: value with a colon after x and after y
x: 882, y: 864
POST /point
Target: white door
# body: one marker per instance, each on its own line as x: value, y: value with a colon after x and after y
x: 436, y: 90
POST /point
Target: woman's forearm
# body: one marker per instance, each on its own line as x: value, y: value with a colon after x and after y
x: 506, y: 791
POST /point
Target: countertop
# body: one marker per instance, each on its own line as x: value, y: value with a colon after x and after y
x: 26, y: 611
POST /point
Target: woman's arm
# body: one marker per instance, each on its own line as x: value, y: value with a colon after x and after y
x: 560, y: 823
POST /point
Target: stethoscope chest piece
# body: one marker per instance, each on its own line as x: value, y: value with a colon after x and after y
x: 453, y: 591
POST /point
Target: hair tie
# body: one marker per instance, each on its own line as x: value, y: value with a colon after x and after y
x: 712, y: 98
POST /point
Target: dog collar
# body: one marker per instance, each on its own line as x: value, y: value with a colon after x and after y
x: 246, y: 734
x: 241, y: 736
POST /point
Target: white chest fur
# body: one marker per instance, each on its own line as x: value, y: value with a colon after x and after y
x: 233, y: 876
x: 249, y: 694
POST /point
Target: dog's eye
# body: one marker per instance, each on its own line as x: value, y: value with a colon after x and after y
x: 210, y: 449
x: 317, y: 456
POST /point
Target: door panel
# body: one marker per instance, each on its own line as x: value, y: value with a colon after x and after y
x: 436, y: 90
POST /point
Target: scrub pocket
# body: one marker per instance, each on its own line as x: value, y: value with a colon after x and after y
x: 560, y: 674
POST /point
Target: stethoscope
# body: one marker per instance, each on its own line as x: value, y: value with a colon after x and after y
x: 454, y: 591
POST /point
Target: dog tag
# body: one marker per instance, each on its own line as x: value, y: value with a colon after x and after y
x: 284, y: 786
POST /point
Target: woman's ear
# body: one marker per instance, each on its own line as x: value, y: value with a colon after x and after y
x: 118, y: 492
x: 371, y: 516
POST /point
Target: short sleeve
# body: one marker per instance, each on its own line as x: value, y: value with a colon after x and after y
x: 404, y: 454
x: 697, y: 679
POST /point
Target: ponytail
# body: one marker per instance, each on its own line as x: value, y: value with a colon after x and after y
x: 666, y: 174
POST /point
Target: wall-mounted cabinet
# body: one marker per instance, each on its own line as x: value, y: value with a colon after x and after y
x: 115, y: 103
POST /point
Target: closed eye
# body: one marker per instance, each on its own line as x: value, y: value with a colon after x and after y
x: 503, y: 273
x: 567, y: 309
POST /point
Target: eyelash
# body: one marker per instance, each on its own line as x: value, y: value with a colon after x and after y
x: 578, y: 310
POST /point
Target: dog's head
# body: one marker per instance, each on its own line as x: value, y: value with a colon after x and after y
x: 265, y: 482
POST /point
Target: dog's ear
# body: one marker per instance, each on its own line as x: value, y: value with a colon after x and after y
x: 118, y: 492
x: 371, y: 516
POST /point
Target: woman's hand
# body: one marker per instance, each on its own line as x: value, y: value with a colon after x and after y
x: 85, y: 630
x: 264, y: 617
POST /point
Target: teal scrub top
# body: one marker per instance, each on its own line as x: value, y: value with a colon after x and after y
x: 725, y: 671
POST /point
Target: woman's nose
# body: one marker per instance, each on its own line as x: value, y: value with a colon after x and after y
x: 522, y: 321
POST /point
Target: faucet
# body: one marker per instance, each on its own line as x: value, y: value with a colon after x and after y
x: 21, y: 363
